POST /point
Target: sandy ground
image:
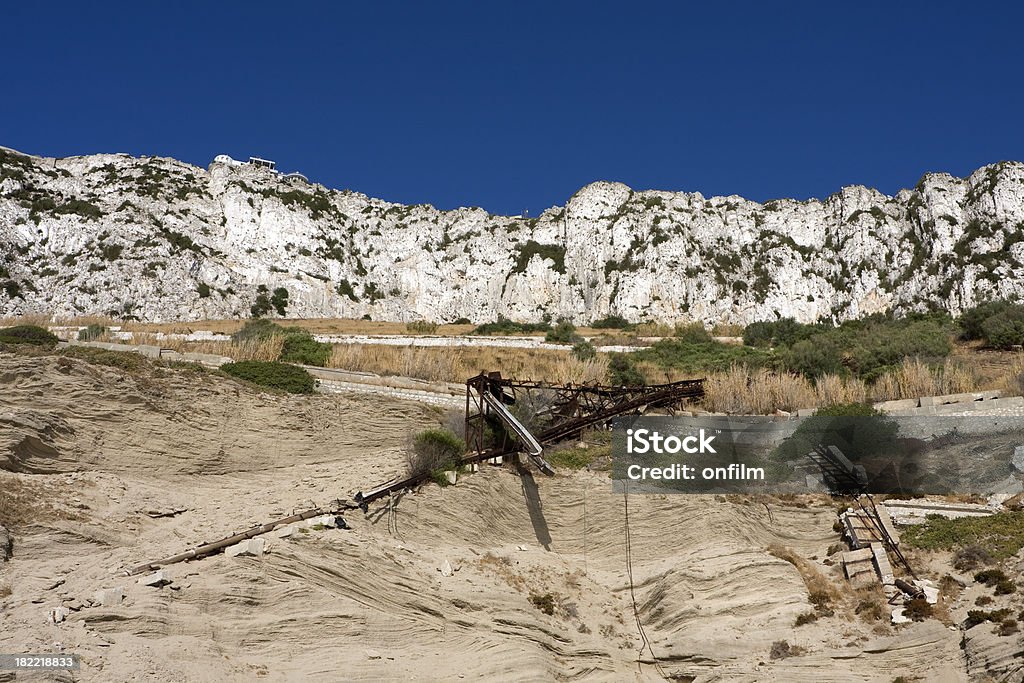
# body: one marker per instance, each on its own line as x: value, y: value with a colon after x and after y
x: 114, y: 468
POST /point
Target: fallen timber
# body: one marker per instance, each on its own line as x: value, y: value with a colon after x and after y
x: 573, y: 409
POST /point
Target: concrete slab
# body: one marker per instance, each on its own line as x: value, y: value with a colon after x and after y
x: 109, y: 597
x: 252, y: 547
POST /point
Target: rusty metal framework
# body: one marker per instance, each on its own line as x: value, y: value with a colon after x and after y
x: 561, y: 411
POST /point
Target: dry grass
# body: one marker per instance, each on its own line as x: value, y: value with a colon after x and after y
x: 42, y: 320
x: 820, y: 590
x: 23, y: 503
x: 739, y: 390
x: 459, y: 363
x: 250, y: 349
x: 914, y: 378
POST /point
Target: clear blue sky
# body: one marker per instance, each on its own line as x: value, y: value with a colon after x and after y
x: 516, y: 105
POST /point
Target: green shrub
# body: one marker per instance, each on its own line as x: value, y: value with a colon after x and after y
x: 421, y: 327
x: 700, y: 357
x: 980, y: 616
x: 273, y: 374
x: 553, y: 252
x: 125, y: 360
x: 434, y: 451
x: 694, y: 333
x: 612, y: 322
x: 300, y: 347
x: 1000, y: 535
x: 91, y: 332
x: 203, y: 290
x: 279, y: 300
x: 584, y: 350
x: 28, y: 334
x: 972, y: 320
x: 563, y: 333
x: 622, y: 371
x: 505, y: 326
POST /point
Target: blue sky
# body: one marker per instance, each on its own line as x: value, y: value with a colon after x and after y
x: 514, y: 106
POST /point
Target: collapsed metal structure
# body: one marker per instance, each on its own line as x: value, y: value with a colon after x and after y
x: 498, y: 408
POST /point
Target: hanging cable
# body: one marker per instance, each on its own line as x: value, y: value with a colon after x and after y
x: 632, y: 594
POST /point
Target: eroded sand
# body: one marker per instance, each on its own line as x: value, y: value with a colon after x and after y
x: 107, y: 450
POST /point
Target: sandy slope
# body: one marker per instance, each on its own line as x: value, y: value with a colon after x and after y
x: 104, y: 451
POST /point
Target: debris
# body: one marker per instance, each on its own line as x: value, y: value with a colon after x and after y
x: 859, y: 566
x: 898, y: 618
x: 329, y: 521
x: 167, y: 512
x: 286, y: 531
x: 521, y: 547
x: 109, y: 597
x: 373, y: 654
x: 451, y: 476
x: 58, y: 614
x: 156, y: 579
x: 248, y: 547
x: 931, y: 593
x: 446, y: 568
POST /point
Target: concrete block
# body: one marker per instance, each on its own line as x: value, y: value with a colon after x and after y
x: 927, y: 401
x: 805, y: 412
x: 451, y: 476
x: 286, y: 531
x: 474, y: 467
x: 251, y: 547
x: 109, y: 597
x: 156, y: 579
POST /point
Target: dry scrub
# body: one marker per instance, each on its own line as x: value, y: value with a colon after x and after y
x: 457, y: 363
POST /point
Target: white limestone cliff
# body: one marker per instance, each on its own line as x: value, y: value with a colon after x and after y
x: 157, y: 239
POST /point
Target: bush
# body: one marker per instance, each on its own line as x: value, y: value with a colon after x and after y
x: 917, y: 609
x: 203, y: 290
x: 584, y: 350
x: 694, y: 333
x: 701, y: 356
x: 273, y: 374
x: 980, y: 616
x: 1000, y: 535
x: 972, y: 320
x: 433, y: 451
x: 545, y: 603
x: 91, y: 332
x: 421, y: 327
x: 257, y: 329
x: 28, y: 334
x: 622, y: 371
x: 563, y: 333
x: 300, y: 347
x: 505, y: 326
x: 970, y: 557
x: 612, y: 322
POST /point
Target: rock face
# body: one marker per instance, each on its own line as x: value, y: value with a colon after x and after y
x: 160, y: 240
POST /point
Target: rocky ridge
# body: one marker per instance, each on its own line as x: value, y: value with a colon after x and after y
x: 157, y: 239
